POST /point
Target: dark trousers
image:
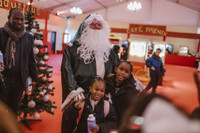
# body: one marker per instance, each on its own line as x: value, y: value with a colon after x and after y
x: 153, y: 82
x: 13, y: 95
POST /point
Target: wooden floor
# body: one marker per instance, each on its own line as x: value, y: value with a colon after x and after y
x: 178, y: 85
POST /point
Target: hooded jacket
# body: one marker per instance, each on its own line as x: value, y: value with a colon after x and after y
x: 121, y: 93
x: 105, y: 123
x: 156, y: 62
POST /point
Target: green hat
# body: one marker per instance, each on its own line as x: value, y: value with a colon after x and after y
x: 80, y: 30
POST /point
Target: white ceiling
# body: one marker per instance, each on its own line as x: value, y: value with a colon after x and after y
x: 119, y: 8
x: 91, y: 5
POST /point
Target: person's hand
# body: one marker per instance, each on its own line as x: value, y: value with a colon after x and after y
x: 152, y: 68
x: 78, y: 103
x: 95, y: 129
x: 1, y: 66
x: 33, y: 84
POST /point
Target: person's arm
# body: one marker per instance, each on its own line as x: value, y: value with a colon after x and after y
x: 111, y: 121
x: 1, y: 63
x: 32, y: 65
x: 162, y: 69
x: 115, y: 59
x: 69, y: 82
x: 71, y: 113
x: 148, y: 63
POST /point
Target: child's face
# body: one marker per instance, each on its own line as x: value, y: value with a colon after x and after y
x: 123, y: 71
x: 157, y: 52
x: 97, y: 90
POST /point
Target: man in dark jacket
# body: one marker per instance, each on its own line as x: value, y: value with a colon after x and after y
x: 155, y: 65
x: 17, y: 48
x: 87, y: 55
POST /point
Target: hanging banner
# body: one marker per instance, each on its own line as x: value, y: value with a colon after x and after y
x: 147, y: 29
x: 8, y: 4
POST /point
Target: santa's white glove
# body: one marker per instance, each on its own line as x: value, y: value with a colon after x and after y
x: 73, y: 95
x: 79, y: 97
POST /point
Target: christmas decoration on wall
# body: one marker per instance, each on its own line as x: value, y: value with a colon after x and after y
x: 37, y: 99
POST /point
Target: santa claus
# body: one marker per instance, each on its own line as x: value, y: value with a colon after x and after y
x: 87, y: 55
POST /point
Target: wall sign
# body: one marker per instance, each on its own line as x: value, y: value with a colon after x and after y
x: 8, y: 4
x: 147, y: 29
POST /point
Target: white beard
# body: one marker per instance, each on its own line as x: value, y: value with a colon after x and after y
x: 94, y: 43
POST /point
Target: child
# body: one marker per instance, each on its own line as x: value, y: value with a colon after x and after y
x: 155, y: 65
x: 121, y: 87
x: 93, y: 104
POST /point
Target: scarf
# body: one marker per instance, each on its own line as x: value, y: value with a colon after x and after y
x: 10, y: 50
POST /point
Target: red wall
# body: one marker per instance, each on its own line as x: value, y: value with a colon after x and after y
x: 180, y: 60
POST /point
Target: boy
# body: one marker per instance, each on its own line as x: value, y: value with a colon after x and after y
x: 156, y: 69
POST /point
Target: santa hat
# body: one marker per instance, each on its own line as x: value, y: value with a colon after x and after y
x: 73, y: 96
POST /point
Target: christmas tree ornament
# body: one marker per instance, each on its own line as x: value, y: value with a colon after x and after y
x: 46, y: 98
x: 50, y: 87
x: 46, y: 58
x: 38, y: 42
x: 49, y: 75
x: 35, y: 50
x: 31, y: 104
x: 28, y: 92
x: 33, y: 31
x: 42, y: 62
x: 44, y: 91
x: 36, y: 115
x: 41, y: 93
x: 44, y: 78
x: 52, y: 109
x: 49, y: 69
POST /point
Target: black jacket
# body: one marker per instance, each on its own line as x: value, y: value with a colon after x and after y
x: 28, y: 65
x: 105, y: 123
x: 75, y: 73
x: 121, y: 98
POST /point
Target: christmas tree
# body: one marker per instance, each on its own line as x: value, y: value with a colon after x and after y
x: 36, y: 100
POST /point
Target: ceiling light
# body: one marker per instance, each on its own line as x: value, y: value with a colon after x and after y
x: 29, y: 3
x: 133, y: 6
x: 76, y: 10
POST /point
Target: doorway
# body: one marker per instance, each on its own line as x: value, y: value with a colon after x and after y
x: 53, y: 43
